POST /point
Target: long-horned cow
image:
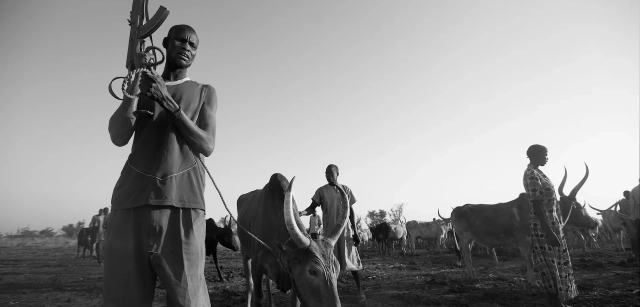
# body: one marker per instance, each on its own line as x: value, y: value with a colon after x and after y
x: 507, y: 224
x: 306, y: 267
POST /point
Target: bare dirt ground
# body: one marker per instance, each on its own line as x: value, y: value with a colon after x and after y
x: 41, y: 273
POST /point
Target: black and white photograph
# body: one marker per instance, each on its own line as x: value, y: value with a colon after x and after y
x: 377, y: 153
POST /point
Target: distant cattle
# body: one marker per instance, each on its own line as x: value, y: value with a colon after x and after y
x: 618, y: 224
x: 272, y: 216
x: 398, y: 233
x: 434, y: 231
x: 85, y: 243
x: 223, y: 235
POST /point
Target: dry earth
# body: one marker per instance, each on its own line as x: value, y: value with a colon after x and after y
x: 44, y: 273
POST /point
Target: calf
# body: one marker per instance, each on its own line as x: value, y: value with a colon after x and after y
x: 85, y: 242
x: 223, y: 235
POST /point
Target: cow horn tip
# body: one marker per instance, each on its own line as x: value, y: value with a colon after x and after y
x: 290, y: 186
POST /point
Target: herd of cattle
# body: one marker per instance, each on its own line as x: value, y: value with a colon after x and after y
x: 275, y: 245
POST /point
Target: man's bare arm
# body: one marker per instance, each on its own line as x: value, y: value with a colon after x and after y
x: 121, y: 123
x: 309, y: 209
x: 201, y: 136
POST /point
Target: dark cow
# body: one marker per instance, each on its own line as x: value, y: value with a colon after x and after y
x: 85, y: 242
x: 223, y: 235
x: 380, y: 234
x: 289, y: 257
x: 507, y: 224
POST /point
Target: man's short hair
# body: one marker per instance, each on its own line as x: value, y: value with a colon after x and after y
x: 105, y: 209
x: 535, y: 150
x: 332, y: 166
x: 177, y: 27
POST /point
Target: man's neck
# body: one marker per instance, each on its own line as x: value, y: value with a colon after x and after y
x: 170, y: 74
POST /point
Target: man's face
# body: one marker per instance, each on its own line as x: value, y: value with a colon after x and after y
x: 626, y: 194
x: 182, y: 46
x: 331, y: 175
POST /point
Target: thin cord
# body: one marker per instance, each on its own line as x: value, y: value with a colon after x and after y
x: 225, y: 206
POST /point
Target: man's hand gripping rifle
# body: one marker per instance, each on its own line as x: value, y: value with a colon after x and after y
x: 138, y: 57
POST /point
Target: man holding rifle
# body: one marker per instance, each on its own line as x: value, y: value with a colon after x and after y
x: 157, y: 223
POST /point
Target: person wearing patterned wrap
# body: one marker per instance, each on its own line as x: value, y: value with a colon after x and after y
x: 551, y: 261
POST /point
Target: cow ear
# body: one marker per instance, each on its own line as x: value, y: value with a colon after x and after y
x: 287, y: 257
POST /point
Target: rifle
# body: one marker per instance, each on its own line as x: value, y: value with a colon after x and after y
x: 138, y: 57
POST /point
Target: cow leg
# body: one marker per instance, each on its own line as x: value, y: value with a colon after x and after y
x: 412, y: 242
x: 90, y: 251
x: 293, y: 296
x: 525, y: 250
x: 246, y: 263
x: 78, y: 252
x: 621, y: 241
x: 214, y: 256
x: 465, y: 247
x: 257, y: 275
x: 269, y: 296
x: 495, y: 257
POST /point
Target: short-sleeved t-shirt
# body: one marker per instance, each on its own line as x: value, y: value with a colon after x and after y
x: 162, y: 169
x: 329, y: 199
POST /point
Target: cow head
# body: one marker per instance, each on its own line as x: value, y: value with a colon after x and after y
x: 313, y: 267
x: 573, y: 213
x: 228, y: 237
x: 223, y: 235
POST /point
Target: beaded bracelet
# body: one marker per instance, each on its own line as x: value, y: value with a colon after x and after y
x: 129, y: 80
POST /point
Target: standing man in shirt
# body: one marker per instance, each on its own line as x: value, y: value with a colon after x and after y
x: 157, y: 220
x: 624, y: 203
x: 329, y: 199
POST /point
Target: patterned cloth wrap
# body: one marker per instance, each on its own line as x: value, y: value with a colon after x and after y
x: 552, y: 265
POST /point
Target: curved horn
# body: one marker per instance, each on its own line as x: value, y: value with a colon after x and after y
x: 446, y: 220
x: 226, y: 221
x: 564, y: 180
x: 297, y: 236
x: 575, y: 190
x: 343, y: 216
x: 596, y: 209
x: 567, y: 219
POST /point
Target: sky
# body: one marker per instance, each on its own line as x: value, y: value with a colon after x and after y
x: 428, y: 103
